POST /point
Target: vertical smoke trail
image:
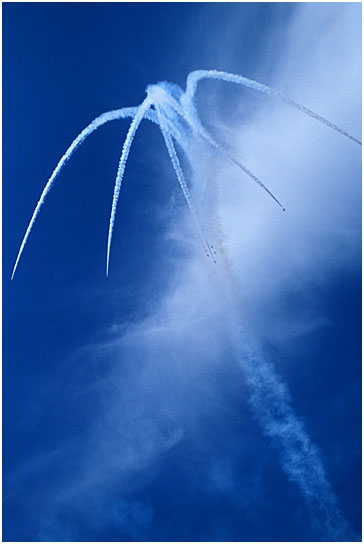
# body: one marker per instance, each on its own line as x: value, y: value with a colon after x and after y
x: 138, y: 117
x: 177, y: 168
x: 271, y: 405
x: 268, y: 395
x: 96, y: 123
x: 300, y: 458
x: 197, y: 126
x: 194, y: 77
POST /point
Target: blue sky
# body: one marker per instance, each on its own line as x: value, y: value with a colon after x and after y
x: 130, y: 411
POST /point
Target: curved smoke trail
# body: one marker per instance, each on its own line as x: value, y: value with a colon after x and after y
x: 194, y: 77
x: 202, y: 132
x: 137, y: 119
x: 184, y: 106
x: 269, y: 397
x: 95, y: 124
x: 179, y: 173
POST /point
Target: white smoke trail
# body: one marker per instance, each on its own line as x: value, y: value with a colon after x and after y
x: 179, y: 173
x: 200, y: 130
x: 157, y: 93
x: 300, y: 458
x: 194, y: 77
x: 269, y: 397
x: 271, y: 405
x: 145, y: 105
x: 95, y: 124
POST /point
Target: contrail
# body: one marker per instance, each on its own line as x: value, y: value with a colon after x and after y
x: 217, y: 146
x: 95, y: 124
x: 119, y: 176
x: 113, y: 115
x: 179, y: 173
x: 271, y: 404
x: 163, y: 94
x: 175, y: 114
x: 300, y: 458
x: 194, y: 77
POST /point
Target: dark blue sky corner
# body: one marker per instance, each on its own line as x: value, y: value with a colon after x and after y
x: 148, y: 407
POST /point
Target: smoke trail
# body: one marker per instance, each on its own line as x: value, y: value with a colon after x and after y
x: 177, y: 168
x: 95, y: 124
x: 271, y: 405
x: 194, y: 77
x: 269, y: 397
x: 144, y: 106
x: 197, y: 126
x: 300, y: 458
x: 138, y: 117
x: 186, y: 110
